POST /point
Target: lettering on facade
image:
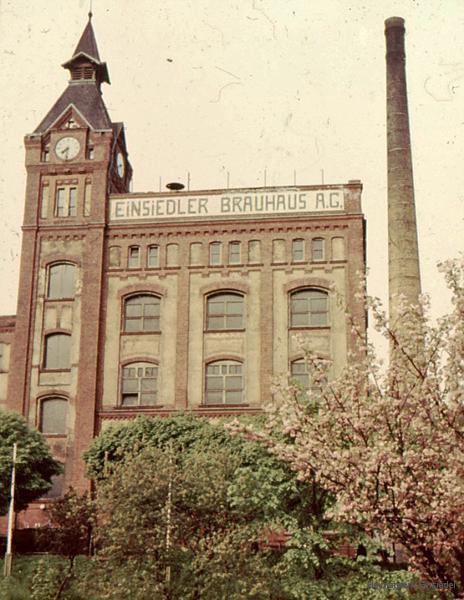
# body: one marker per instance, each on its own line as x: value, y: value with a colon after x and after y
x: 226, y: 204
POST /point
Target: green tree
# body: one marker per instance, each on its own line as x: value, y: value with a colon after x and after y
x: 180, y: 497
x: 35, y: 465
x: 72, y: 519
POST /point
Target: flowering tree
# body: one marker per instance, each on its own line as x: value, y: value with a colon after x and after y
x: 389, y: 442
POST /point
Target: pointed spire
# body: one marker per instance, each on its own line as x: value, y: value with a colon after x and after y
x: 88, y: 44
x: 86, y: 57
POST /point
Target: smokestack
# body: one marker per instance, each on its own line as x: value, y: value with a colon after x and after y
x: 403, y: 255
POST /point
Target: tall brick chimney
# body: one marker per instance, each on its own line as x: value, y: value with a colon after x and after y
x: 403, y: 256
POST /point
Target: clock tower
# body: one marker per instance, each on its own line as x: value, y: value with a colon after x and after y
x: 75, y: 158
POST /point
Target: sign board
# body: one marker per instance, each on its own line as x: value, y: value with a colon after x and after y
x: 226, y: 204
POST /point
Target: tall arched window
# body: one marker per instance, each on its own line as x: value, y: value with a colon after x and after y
x: 61, y: 281
x: 57, y: 352
x: 139, y: 384
x: 224, y: 311
x: 142, y: 313
x: 309, y: 308
x: 224, y: 382
x: 53, y: 416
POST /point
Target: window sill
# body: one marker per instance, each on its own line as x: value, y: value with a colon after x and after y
x: 241, y: 330
x: 310, y: 327
x: 43, y: 370
x: 142, y: 332
x: 224, y: 405
x: 120, y: 407
x: 66, y: 299
x: 55, y: 435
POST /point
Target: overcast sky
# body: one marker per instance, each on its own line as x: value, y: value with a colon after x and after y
x: 216, y: 86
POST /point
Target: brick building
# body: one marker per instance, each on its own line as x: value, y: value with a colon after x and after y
x: 153, y: 303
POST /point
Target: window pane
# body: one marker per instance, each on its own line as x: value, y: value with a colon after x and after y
x: 61, y: 281
x: 57, y: 351
x: 139, y: 384
x: 300, y: 320
x: 132, y: 325
x: 318, y: 249
x: 234, y: 322
x: 142, y: 314
x: 318, y: 304
x: 54, y: 412
x: 298, y: 250
x: 151, y: 324
x: 213, y: 397
x: 226, y: 384
x: 148, y: 399
x: 129, y: 385
x: 133, y: 257
x: 129, y: 400
x: 298, y: 367
x: 216, y: 323
x: 233, y: 397
x: 234, y: 252
x: 133, y: 309
x: 153, y: 256
x: 319, y: 319
x: 214, y: 383
x: 216, y: 306
x: 60, y: 202
x: 72, y: 210
x: 215, y: 253
x: 234, y: 382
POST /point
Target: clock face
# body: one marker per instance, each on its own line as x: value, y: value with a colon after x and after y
x: 120, y: 166
x: 67, y: 148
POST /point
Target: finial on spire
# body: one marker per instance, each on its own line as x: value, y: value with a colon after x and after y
x: 90, y: 10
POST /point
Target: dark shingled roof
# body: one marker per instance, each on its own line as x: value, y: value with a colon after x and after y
x: 86, y: 97
x: 88, y: 44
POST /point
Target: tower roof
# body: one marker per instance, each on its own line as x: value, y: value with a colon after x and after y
x: 88, y: 44
x: 87, y: 51
x: 83, y: 92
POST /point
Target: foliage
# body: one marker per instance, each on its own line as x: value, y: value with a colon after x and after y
x: 221, y: 500
x: 389, y: 442
x: 35, y: 465
x: 71, y: 520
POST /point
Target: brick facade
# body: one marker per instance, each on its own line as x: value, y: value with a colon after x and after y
x: 67, y: 221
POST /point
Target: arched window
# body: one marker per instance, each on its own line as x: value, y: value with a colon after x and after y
x: 153, y: 256
x: 298, y: 250
x: 139, y: 384
x: 224, y: 382
x: 53, y: 416
x: 215, y: 253
x: 133, y: 257
x: 142, y: 313
x: 57, y: 355
x: 224, y: 311
x: 309, y: 308
x: 317, y: 249
x: 61, y: 281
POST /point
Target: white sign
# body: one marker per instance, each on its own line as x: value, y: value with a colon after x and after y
x: 226, y: 204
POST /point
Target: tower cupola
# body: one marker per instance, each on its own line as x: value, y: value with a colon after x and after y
x: 85, y: 63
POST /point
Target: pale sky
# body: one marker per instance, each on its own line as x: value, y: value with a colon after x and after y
x: 215, y: 86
